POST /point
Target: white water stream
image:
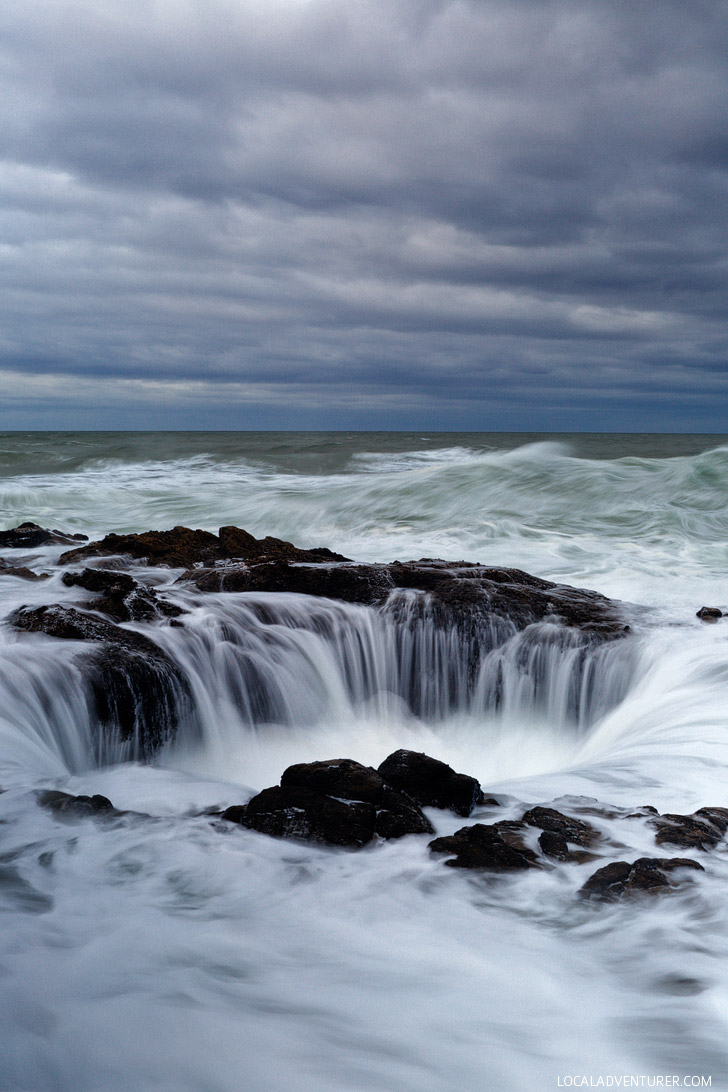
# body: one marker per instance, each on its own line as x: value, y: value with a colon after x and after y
x: 160, y: 952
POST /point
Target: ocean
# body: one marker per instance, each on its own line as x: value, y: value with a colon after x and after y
x: 169, y: 952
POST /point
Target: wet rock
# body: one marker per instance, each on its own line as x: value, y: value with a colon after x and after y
x: 349, y: 583
x: 709, y: 614
x: 397, y: 814
x: 182, y: 547
x: 136, y: 689
x: 455, y: 593
x: 431, y: 783
x: 235, y: 813
x: 27, y: 536
x: 571, y: 830
x: 310, y: 816
x: 120, y: 596
x: 647, y: 874
x: 464, y: 591
x: 718, y: 817
x: 555, y: 846
x: 77, y: 807
x: 702, y: 830
x: 483, y: 847
x: 6, y: 569
x: 236, y: 543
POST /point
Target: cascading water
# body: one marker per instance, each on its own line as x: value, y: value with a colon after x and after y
x: 231, y: 960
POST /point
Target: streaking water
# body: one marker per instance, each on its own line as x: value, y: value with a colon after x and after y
x: 161, y: 953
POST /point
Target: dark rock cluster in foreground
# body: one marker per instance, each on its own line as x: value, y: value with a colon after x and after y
x: 140, y: 694
x: 344, y: 804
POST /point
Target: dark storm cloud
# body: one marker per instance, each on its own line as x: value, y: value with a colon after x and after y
x: 314, y: 212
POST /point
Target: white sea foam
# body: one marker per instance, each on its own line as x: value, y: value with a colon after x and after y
x: 160, y: 952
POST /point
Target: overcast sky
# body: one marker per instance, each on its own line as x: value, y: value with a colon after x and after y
x: 364, y: 214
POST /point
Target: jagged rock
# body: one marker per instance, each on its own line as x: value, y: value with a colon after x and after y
x: 235, y: 814
x: 310, y: 816
x: 555, y: 846
x: 350, y: 583
x: 484, y: 847
x: 397, y: 814
x: 571, y: 830
x: 709, y: 614
x: 182, y: 547
x: 6, y: 569
x: 26, y: 536
x: 717, y: 816
x: 462, y: 590
x: 431, y: 783
x: 647, y: 874
x: 458, y: 593
x: 702, y: 830
x: 121, y: 597
x: 135, y: 687
x: 76, y: 806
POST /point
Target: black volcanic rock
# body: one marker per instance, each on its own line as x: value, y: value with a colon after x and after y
x: 645, y: 875
x: 484, y: 847
x: 7, y: 569
x: 431, y: 783
x: 555, y: 846
x: 349, y: 583
x: 182, y: 547
x: 120, y: 596
x: 136, y: 689
x: 709, y: 614
x: 310, y: 816
x: 571, y: 830
x: 76, y: 807
x: 701, y: 830
x: 27, y: 536
x: 396, y: 813
x: 464, y: 596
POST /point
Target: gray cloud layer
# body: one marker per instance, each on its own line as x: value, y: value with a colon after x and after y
x: 314, y: 213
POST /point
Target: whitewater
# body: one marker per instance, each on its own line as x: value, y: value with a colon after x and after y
x: 168, y: 952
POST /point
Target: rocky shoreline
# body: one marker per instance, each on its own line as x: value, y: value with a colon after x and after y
x: 346, y: 806
x: 139, y: 692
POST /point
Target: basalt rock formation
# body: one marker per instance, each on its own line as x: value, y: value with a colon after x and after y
x: 136, y: 690
x: 26, y: 536
x: 431, y: 783
x: 457, y: 593
x: 183, y: 547
x: 645, y: 875
x: 460, y: 592
x: 339, y: 802
x: 120, y: 596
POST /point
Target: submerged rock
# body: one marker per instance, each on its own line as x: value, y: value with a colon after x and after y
x: 430, y: 782
x: 647, y: 874
x: 76, y: 807
x: 26, y: 536
x: 136, y: 689
x: 483, y: 846
x: 563, y: 826
x: 709, y: 614
x: 701, y: 830
x: 6, y: 569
